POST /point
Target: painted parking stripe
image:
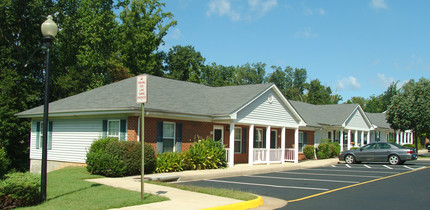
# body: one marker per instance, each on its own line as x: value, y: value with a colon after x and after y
x: 268, y: 185
x: 409, y: 167
x: 333, y: 166
x: 387, y: 167
x: 349, y: 175
x: 382, y: 172
x: 348, y: 166
x: 303, y: 179
x: 367, y: 166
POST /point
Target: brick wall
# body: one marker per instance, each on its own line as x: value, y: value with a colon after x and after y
x: 132, y: 128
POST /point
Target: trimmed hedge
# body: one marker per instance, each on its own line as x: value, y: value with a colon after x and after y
x: 110, y: 157
x: 309, y: 151
x: 19, y: 189
x: 328, y: 149
x: 4, y: 163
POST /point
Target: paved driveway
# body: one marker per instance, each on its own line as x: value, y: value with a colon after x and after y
x: 300, y: 184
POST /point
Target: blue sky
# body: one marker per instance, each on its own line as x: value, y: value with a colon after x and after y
x: 356, y: 47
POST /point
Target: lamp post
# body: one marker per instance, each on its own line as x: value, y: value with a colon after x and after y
x: 49, y: 30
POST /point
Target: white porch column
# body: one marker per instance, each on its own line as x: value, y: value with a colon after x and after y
x: 251, y: 145
x: 268, y: 144
x: 231, y: 146
x: 296, y: 145
x: 356, y: 138
x: 362, y: 138
x: 341, y: 140
x: 349, y: 139
x: 368, y: 137
x: 397, y: 137
x: 412, y: 138
x: 401, y: 138
x: 283, y: 145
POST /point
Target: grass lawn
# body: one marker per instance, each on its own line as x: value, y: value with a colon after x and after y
x: 228, y: 193
x: 67, y: 189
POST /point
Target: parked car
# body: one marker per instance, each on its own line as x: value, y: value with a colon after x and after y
x: 379, y: 152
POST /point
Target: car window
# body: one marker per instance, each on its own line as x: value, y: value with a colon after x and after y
x: 384, y: 146
x: 397, y: 145
x: 369, y: 146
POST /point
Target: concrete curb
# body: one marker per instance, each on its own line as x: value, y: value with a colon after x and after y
x: 242, y: 205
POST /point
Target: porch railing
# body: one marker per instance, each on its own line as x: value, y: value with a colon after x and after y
x: 226, y: 154
x: 289, y: 154
x: 260, y: 155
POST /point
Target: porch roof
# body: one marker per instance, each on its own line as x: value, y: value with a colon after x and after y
x: 164, y: 95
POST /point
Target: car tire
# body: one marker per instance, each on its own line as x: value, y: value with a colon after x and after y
x: 394, y: 160
x: 349, y: 159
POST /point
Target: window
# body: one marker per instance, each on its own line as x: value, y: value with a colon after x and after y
x: 168, y: 136
x: 259, y: 138
x: 39, y: 137
x: 301, y: 144
x: 329, y: 135
x: 113, y: 128
x: 237, y: 140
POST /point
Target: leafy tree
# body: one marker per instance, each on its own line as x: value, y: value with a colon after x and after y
x: 319, y: 94
x: 291, y: 82
x: 358, y: 100
x: 184, y: 63
x: 409, y: 109
x: 251, y: 73
x: 218, y: 75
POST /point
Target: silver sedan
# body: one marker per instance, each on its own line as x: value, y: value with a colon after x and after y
x: 379, y: 152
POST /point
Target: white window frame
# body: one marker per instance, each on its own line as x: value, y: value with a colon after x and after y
x: 302, y: 141
x: 219, y: 127
x: 259, y: 142
x: 41, y: 135
x: 239, y: 140
x: 119, y: 128
x: 174, y: 134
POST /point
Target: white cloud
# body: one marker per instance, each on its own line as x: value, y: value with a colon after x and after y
x: 384, y: 80
x: 308, y: 11
x: 322, y: 11
x: 306, y: 32
x: 349, y: 83
x: 222, y: 8
x: 262, y: 6
x: 378, y: 4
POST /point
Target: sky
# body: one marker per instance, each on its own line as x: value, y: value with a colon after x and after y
x: 356, y: 47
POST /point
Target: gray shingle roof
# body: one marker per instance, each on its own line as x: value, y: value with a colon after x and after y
x: 165, y: 95
x: 318, y: 115
x: 378, y: 119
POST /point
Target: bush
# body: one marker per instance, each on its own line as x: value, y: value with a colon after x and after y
x: 353, y: 148
x: 170, y: 162
x: 205, y: 154
x: 4, y: 163
x: 412, y: 146
x: 309, y: 151
x: 19, y: 189
x: 328, y: 149
x: 110, y: 157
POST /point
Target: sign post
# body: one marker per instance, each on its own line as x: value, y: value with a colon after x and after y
x: 142, y: 98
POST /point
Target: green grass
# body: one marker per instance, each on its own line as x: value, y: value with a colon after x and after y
x: 66, y: 189
x: 228, y: 193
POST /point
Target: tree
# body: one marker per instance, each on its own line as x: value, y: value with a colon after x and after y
x: 409, y: 109
x: 218, y: 75
x: 358, y: 100
x: 251, y: 73
x: 184, y: 63
x: 319, y: 94
x: 290, y: 82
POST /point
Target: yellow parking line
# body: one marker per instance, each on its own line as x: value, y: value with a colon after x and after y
x: 353, y: 185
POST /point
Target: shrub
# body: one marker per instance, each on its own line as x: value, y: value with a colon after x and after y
x: 110, y: 157
x: 412, y: 146
x: 205, y: 154
x: 19, y: 189
x: 353, y: 148
x: 309, y: 151
x: 170, y: 162
x: 328, y: 149
x: 4, y: 163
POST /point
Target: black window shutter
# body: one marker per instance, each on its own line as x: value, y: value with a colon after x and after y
x: 159, y: 137
x: 264, y: 138
x: 244, y: 132
x: 37, y: 135
x: 123, y: 130
x: 50, y: 125
x: 178, y: 137
x: 305, y: 139
x: 104, y: 129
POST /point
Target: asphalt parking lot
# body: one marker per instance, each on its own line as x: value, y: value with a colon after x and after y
x: 297, y: 185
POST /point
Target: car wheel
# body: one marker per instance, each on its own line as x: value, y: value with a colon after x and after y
x: 350, y: 159
x: 394, y: 160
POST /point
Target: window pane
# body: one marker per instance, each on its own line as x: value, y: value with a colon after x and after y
x: 237, y: 133
x: 218, y: 135
x: 168, y: 130
x: 167, y: 145
x: 113, y: 128
x: 237, y: 146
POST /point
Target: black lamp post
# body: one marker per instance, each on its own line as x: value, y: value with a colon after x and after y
x: 49, y: 30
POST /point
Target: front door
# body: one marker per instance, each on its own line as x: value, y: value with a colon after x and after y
x: 273, y: 142
x: 219, y: 133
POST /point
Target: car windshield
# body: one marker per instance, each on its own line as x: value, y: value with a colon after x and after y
x: 397, y: 145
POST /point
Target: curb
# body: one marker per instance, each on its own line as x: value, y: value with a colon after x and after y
x: 242, y: 205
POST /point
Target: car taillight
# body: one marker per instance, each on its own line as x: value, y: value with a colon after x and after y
x: 410, y: 151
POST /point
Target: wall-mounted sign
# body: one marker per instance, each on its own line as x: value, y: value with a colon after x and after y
x: 142, y: 89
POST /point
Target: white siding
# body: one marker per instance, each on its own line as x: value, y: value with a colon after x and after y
x: 262, y: 112
x: 356, y: 121
x: 71, y: 139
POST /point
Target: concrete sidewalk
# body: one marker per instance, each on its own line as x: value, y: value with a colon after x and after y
x: 180, y: 199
